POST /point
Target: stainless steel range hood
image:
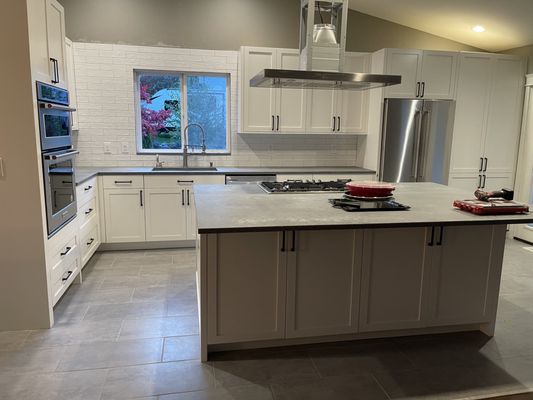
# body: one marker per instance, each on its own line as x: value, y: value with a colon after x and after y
x: 291, y: 78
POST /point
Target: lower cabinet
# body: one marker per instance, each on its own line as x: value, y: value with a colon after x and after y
x: 166, y: 214
x: 124, y: 215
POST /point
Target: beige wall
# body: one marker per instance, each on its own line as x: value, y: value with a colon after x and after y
x: 226, y: 25
x: 526, y: 51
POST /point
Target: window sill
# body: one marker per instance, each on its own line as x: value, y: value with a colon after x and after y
x: 167, y: 153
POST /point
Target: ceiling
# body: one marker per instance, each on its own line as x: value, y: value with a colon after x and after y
x: 508, y: 23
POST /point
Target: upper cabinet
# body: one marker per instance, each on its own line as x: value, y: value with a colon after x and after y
x: 283, y: 110
x: 71, y: 81
x: 47, y: 41
x: 425, y: 74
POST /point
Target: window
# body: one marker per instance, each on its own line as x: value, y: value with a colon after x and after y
x: 167, y: 102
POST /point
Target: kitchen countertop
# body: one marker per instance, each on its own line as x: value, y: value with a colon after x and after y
x: 242, y: 208
x: 84, y: 173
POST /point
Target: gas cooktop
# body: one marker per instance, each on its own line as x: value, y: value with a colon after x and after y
x: 308, y: 186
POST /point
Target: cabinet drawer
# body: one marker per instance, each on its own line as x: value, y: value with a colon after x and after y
x: 70, y: 271
x: 87, y: 212
x: 169, y: 181
x: 123, y: 181
x: 61, y: 249
x: 86, y: 191
x: 89, y: 243
x: 64, y: 259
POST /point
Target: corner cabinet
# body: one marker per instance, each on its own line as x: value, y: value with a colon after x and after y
x: 282, y: 110
x: 425, y: 74
x: 487, y: 121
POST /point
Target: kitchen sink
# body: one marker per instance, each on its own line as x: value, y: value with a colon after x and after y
x: 181, y: 169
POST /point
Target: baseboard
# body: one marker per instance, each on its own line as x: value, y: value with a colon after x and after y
x: 175, y: 244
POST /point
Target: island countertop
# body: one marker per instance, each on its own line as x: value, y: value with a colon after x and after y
x: 244, y: 208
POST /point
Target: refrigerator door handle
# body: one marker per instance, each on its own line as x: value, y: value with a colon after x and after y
x: 416, y: 144
x: 426, y: 115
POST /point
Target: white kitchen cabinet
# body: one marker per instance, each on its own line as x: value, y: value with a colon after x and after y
x: 268, y: 109
x: 425, y: 74
x: 192, y: 225
x: 71, y: 82
x: 487, y: 120
x: 124, y: 215
x: 55, y: 34
x: 323, y: 272
x: 247, y: 281
x: 465, y: 274
x: 394, y: 286
x: 353, y: 177
x: 322, y: 111
x: 166, y: 214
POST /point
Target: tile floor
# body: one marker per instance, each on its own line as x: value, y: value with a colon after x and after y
x: 131, y: 331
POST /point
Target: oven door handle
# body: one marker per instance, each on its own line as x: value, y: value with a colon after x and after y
x: 56, y: 107
x: 60, y: 156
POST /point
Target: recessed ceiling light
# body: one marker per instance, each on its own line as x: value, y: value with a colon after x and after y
x: 478, y: 28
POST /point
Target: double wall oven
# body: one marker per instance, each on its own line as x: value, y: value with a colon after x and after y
x: 57, y: 154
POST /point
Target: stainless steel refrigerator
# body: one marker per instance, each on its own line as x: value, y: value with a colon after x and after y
x: 416, y: 140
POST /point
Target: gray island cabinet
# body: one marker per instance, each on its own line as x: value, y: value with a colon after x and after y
x: 280, y: 269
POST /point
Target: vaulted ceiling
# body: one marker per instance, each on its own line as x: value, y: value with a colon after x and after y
x: 508, y: 23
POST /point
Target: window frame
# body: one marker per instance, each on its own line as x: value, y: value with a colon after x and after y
x: 183, y: 117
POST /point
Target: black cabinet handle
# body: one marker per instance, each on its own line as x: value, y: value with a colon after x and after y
x: 486, y: 163
x: 283, y: 242
x: 123, y: 182
x: 90, y: 187
x: 484, y: 180
x: 67, y: 250
x: 91, y: 240
x: 90, y: 210
x: 293, y: 245
x: 141, y: 197
x: 441, y: 236
x: 417, y: 89
x: 277, y: 122
x: 479, y: 183
x: 55, y: 79
x: 65, y: 278
x: 423, y: 89
x: 188, y: 199
x: 338, y: 124
x: 431, y: 241
x: 334, y: 124
x: 183, y: 197
x: 272, y: 122
x: 185, y: 181
x: 481, y: 164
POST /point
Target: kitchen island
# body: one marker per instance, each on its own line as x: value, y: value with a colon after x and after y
x: 280, y: 269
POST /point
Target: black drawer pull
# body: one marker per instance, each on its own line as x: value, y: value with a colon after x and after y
x: 432, y: 241
x: 123, y: 182
x: 67, y: 250
x: 91, y: 240
x: 88, y: 188
x: 90, y: 210
x: 191, y: 181
x: 65, y: 278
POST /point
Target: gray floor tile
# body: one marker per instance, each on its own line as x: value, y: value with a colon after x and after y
x: 135, y: 281
x: 143, y: 260
x: 12, y: 340
x: 181, y: 348
x: 111, y: 354
x: 120, y: 271
x: 157, y: 293
x: 360, y: 387
x: 243, y: 368
x: 125, y: 311
x: 89, y: 295
x: 359, y: 359
x: 248, y: 392
x: 79, y: 385
x: 68, y: 312
x: 159, y: 327
x: 30, y: 360
x: 180, y: 307
x: 157, y: 379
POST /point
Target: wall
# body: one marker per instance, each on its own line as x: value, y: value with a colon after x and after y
x: 23, y: 286
x: 104, y: 78
x: 226, y: 25
x: 526, y: 51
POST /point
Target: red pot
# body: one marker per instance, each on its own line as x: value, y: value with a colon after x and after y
x: 370, y: 189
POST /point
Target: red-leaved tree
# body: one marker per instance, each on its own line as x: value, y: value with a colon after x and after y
x: 152, y: 121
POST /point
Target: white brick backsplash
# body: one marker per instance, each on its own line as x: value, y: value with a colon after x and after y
x: 106, y: 109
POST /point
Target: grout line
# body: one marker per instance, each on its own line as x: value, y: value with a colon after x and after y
x: 380, y: 386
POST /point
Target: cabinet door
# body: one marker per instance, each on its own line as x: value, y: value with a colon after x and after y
x: 291, y: 103
x: 192, y: 227
x: 496, y: 181
x: 352, y: 107
x: 438, y: 74
x: 71, y: 79
x: 124, y: 215
x: 405, y: 63
x: 166, y: 214
x: 473, y: 87
x: 504, y: 116
x: 55, y: 32
x: 247, y: 280
x: 321, y: 111
x: 465, y: 268
x: 323, y: 282
x: 394, y: 279
x: 258, y: 105
x: 466, y: 182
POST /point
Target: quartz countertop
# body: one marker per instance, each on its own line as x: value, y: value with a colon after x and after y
x: 84, y: 173
x: 241, y: 208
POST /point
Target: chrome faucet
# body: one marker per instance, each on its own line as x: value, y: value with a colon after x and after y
x: 158, y: 163
x: 186, y: 144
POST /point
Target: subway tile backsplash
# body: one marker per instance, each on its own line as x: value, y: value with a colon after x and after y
x: 105, y: 94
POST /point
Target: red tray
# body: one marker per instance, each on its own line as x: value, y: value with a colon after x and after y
x: 491, y: 207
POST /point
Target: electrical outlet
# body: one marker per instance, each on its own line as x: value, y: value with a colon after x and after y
x: 125, y: 148
x: 107, y: 147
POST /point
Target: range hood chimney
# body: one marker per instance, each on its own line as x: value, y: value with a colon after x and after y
x: 322, y: 47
